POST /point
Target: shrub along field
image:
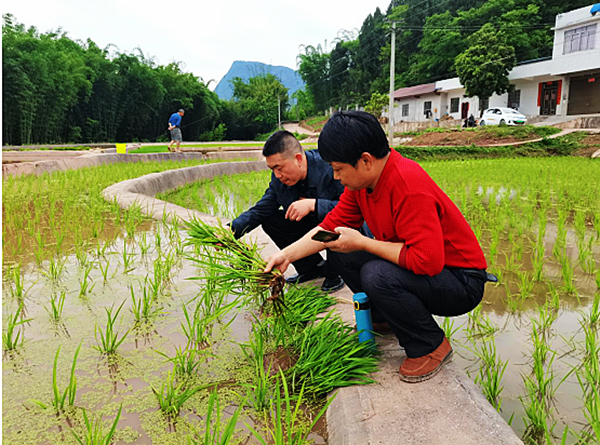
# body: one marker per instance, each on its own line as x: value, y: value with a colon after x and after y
x: 532, y: 345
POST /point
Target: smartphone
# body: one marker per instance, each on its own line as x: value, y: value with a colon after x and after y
x: 325, y: 236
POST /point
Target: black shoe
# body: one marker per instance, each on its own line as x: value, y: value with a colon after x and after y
x: 316, y: 272
x: 332, y: 284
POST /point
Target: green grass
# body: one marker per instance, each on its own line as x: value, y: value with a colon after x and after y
x: 518, y: 132
x: 561, y: 146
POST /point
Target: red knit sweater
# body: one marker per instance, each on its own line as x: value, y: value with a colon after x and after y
x: 408, y: 206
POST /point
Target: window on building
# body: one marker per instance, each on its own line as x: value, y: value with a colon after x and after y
x: 514, y: 99
x: 580, y: 39
x: 404, y: 110
x: 454, y: 102
x: 427, y: 107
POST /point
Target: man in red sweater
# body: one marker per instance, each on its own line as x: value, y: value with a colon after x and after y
x: 424, y: 259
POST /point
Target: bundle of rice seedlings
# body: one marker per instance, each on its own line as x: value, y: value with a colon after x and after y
x: 232, y: 262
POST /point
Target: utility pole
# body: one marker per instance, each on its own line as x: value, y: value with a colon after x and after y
x: 392, y: 72
x: 278, y: 113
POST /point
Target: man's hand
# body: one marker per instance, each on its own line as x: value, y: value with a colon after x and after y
x: 278, y: 261
x: 299, y: 209
x: 350, y: 240
x: 171, y: 127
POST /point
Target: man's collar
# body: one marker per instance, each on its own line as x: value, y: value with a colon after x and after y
x: 312, y: 180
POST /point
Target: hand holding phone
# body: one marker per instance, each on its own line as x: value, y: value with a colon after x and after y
x: 325, y: 236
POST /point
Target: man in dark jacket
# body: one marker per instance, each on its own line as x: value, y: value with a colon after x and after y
x: 302, y: 191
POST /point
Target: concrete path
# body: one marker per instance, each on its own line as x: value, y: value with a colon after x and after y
x: 448, y: 409
x: 293, y: 127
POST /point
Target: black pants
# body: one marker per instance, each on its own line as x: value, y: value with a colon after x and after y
x: 284, y: 232
x: 406, y: 301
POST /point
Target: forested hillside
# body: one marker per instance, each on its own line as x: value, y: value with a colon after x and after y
x: 430, y: 35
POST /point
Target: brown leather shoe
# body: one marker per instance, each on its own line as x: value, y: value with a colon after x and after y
x: 415, y: 370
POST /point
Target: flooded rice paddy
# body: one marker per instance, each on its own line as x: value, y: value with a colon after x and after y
x: 532, y: 345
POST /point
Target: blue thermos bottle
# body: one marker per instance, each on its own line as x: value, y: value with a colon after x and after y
x: 362, y: 312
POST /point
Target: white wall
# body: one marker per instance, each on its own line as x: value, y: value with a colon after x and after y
x: 416, y: 108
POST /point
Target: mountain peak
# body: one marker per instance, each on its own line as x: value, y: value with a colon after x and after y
x: 246, y: 69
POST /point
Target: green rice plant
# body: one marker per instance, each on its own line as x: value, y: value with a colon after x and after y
x: 598, y: 279
x: 448, y: 328
x: 235, y: 262
x: 14, y: 335
x: 62, y: 399
x: 185, y: 362
x: 143, y: 244
x: 18, y: 290
x: 491, y: 371
x: 127, y: 258
x: 287, y: 426
x: 567, y: 272
x: 546, y: 318
x: 94, y: 431
x: 55, y: 269
x: 525, y: 285
x: 555, y: 297
x: 330, y: 356
x: 104, y: 270
x: 259, y: 390
x: 145, y: 308
x: 588, y: 376
x: 538, y: 260
x: 85, y: 283
x: 304, y: 303
x: 57, y: 303
x: 214, y: 432
x: 108, y: 340
x: 480, y: 326
x: 172, y: 396
x: 198, y: 326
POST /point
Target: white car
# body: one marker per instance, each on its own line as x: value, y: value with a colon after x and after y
x: 502, y: 116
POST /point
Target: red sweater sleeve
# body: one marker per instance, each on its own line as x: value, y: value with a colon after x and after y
x: 418, y: 224
x: 345, y: 214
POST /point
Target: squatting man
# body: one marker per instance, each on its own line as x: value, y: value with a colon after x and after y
x: 424, y: 258
x: 301, y: 192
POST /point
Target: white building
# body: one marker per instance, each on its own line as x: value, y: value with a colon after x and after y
x: 568, y: 83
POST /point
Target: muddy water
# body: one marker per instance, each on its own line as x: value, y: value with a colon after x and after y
x: 104, y: 385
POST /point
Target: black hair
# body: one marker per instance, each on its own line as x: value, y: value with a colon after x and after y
x: 349, y: 134
x: 281, y: 142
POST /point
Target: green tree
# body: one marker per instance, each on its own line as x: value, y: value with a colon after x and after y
x: 376, y: 104
x: 484, y: 66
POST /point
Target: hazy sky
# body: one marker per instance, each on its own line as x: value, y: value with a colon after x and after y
x: 206, y: 35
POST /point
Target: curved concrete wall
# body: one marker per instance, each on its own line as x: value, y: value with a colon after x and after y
x: 141, y: 191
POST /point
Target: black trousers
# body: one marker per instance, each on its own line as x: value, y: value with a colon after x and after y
x: 407, y: 301
x: 284, y: 232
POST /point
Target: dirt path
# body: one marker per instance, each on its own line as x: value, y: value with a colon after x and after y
x: 296, y: 128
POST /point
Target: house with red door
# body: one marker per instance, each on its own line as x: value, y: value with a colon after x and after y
x: 565, y: 84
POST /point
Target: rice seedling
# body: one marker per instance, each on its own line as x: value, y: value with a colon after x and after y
x: 127, y: 258
x: 186, y: 362
x: 172, y: 396
x: 198, y: 327
x: 55, y: 269
x: 330, y: 356
x: 62, y: 400
x: 108, y: 340
x: 94, y: 430
x: 235, y: 262
x: 145, y: 308
x: 143, y: 244
x: 567, y: 272
x: 57, y: 304
x: 214, y: 432
x: 287, y: 426
x: 104, y: 270
x: 85, y: 283
x: 525, y: 285
x: 491, y: 371
x: 18, y: 290
x: 480, y: 326
x: 259, y: 390
x: 448, y: 328
x: 14, y: 336
x: 588, y: 376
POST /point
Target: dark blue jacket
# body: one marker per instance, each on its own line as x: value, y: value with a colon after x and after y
x: 319, y: 184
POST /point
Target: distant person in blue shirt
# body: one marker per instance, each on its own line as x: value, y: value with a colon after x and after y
x: 175, y: 128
